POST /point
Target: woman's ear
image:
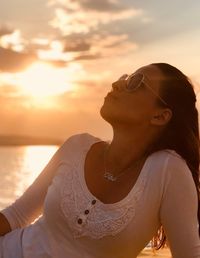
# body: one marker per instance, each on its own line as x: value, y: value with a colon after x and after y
x: 162, y: 117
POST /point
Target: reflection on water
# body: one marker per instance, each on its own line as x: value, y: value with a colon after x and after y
x: 19, y: 166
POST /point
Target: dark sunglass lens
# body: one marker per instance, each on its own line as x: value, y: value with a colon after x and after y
x: 134, y: 81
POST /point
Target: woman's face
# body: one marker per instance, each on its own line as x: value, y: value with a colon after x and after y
x: 137, y: 107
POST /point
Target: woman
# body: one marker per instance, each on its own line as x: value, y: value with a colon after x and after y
x: 109, y: 199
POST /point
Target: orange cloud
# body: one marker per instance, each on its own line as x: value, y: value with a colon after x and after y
x: 12, y: 61
x: 96, y: 46
x: 85, y: 16
x: 5, y: 30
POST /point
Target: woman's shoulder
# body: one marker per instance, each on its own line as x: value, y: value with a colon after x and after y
x: 80, y: 139
x: 175, y: 166
x: 172, y: 168
x: 170, y: 154
x: 168, y: 159
x: 75, y: 145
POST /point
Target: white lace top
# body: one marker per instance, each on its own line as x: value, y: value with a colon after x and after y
x: 76, y: 224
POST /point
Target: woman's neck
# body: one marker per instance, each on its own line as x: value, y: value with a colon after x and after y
x: 124, y: 150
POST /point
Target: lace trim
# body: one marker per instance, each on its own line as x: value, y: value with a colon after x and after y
x: 100, y: 221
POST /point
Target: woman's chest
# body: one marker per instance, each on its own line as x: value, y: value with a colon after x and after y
x: 77, y: 209
x: 107, y: 191
x: 101, y: 187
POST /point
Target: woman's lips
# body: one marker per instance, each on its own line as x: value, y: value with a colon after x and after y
x: 110, y: 95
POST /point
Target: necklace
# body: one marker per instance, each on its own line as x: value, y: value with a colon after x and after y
x: 109, y: 175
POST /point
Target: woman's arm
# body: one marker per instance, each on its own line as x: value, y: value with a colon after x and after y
x: 30, y: 205
x: 178, y: 213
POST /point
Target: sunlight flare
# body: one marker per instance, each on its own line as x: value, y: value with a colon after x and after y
x: 41, y: 79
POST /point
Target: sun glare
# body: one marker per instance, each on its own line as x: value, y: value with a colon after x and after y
x: 41, y: 80
x: 41, y: 84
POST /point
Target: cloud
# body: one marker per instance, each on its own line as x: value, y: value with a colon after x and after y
x: 85, y: 16
x: 104, y: 45
x: 13, y: 41
x: 31, y: 17
x: 11, y: 61
x: 84, y: 35
x: 102, y: 5
x: 88, y: 57
x: 98, y: 5
x: 4, y: 30
x: 87, y: 27
x: 15, y: 52
x: 56, y: 63
x: 83, y: 43
x: 76, y: 45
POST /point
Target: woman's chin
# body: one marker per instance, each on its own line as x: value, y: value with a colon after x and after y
x: 105, y: 112
x: 108, y: 114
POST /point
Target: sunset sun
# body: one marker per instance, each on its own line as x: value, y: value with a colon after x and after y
x: 43, y: 80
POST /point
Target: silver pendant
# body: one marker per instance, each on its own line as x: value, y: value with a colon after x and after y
x: 109, y: 176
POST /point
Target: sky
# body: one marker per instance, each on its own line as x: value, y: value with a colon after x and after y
x: 58, y: 58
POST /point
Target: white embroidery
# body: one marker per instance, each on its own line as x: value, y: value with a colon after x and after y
x: 102, y: 219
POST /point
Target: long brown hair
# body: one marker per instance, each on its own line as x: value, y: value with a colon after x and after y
x: 182, y: 132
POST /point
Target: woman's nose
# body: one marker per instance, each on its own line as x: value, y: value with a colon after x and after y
x: 120, y: 83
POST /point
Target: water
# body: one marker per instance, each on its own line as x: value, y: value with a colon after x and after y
x: 19, y: 166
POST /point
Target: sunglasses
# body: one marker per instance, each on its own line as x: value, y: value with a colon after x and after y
x: 135, y: 81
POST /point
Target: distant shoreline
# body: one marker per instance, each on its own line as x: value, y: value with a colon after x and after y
x: 13, y: 140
